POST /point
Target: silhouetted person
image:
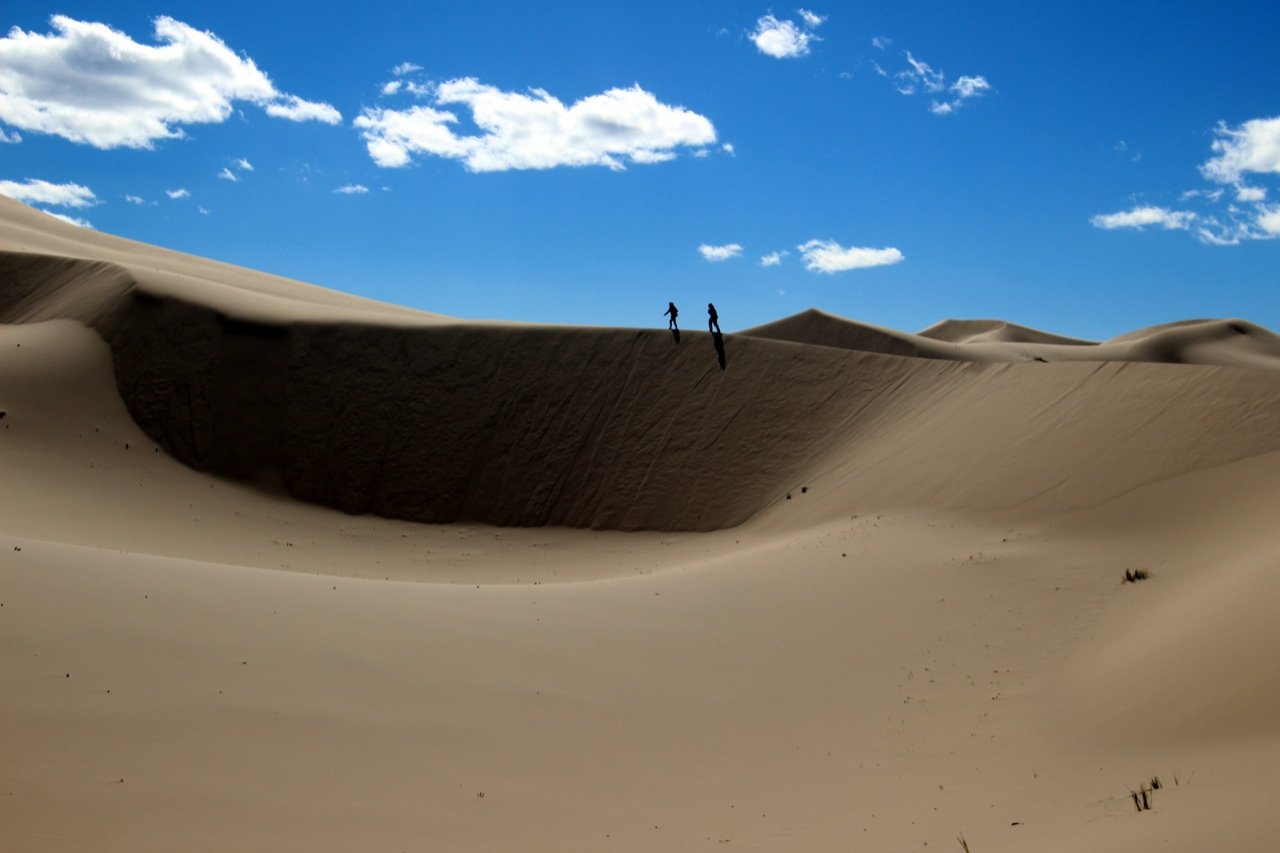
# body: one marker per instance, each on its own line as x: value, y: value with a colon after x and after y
x: 673, y: 312
x: 713, y: 319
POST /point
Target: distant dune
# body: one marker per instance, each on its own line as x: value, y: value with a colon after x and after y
x: 871, y: 594
x: 971, y: 331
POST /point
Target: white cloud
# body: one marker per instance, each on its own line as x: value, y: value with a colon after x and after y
x: 921, y: 77
x: 1211, y: 195
x: 1217, y: 218
x: 773, y: 259
x: 243, y: 165
x: 35, y: 191
x: 1269, y: 220
x: 293, y: 108
x: 9, y: 138
x: 828, y: 256
x: 70, y: 220
x: 812, y: 20
x: 964, y: 89
x: 228, y: 175
x: 392, y: 87
x: 533, y: 130
x: 881, y: 43
x: 1252, y: 147
x: 1141, y: 217
x: 728, y: 149
x: 93, y: 84
x: 352, y: 189
x: 135, y: 199
x: 781, y: 39
x: 178, y: 193
x: 720, y: 253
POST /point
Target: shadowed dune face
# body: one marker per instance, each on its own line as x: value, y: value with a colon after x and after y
x: 513, y: 426
x: 427, y: 419
x: 35, y: 287
x: 622, y: 429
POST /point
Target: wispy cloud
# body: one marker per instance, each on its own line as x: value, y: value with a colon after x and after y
x: 178, y: 193
x: 405, y: 74
x: 785, y: 39
x: 243, y: 165
x: 135, y: 199
x: 228, y: 175
x: 1253, y: 148
x: 828, y: 256
x: 352, y: 189
x: 9, y: 138
x: 293, y: 108
x: 962, y: 90
x: 812, y: 20
x: 533, y: 130
x: 716, y: 254
x: 35, y: 191
x: 919, y: 77
x: 92, y: 84
x: 1142, y: 216
x: 773, y: 259
x: 70, y: 220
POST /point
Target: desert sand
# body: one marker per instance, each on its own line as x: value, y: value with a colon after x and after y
x: 285, y: 569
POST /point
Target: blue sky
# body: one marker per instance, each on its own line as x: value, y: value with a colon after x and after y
x: 1086, y: 168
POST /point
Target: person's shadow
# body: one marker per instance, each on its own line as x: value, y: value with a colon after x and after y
x: 717, y: 340
x: 675, y: 333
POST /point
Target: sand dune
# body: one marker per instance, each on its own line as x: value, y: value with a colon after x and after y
x: 862, y: 589
x: 1230, y: 343
x: 970, y: 331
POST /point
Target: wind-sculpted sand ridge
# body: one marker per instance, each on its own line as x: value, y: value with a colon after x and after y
x: 417, y: 417
x: 504, y: 425
x: 970, y: 331
x: 1229, y: 343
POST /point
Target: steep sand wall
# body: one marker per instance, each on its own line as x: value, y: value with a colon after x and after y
x: 623, y: 428
x: 506, y: 425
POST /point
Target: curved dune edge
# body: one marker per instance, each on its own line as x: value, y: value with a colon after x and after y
x: 371, y: 408
x: 1227, y: 343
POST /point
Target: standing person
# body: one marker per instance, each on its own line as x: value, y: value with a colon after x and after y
x: 673, y: 312
x: 713, y: 319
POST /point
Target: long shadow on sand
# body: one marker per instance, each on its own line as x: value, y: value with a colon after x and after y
x: 717, y: 340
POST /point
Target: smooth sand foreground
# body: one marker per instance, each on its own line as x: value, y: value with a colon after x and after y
x: 860, y: 590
